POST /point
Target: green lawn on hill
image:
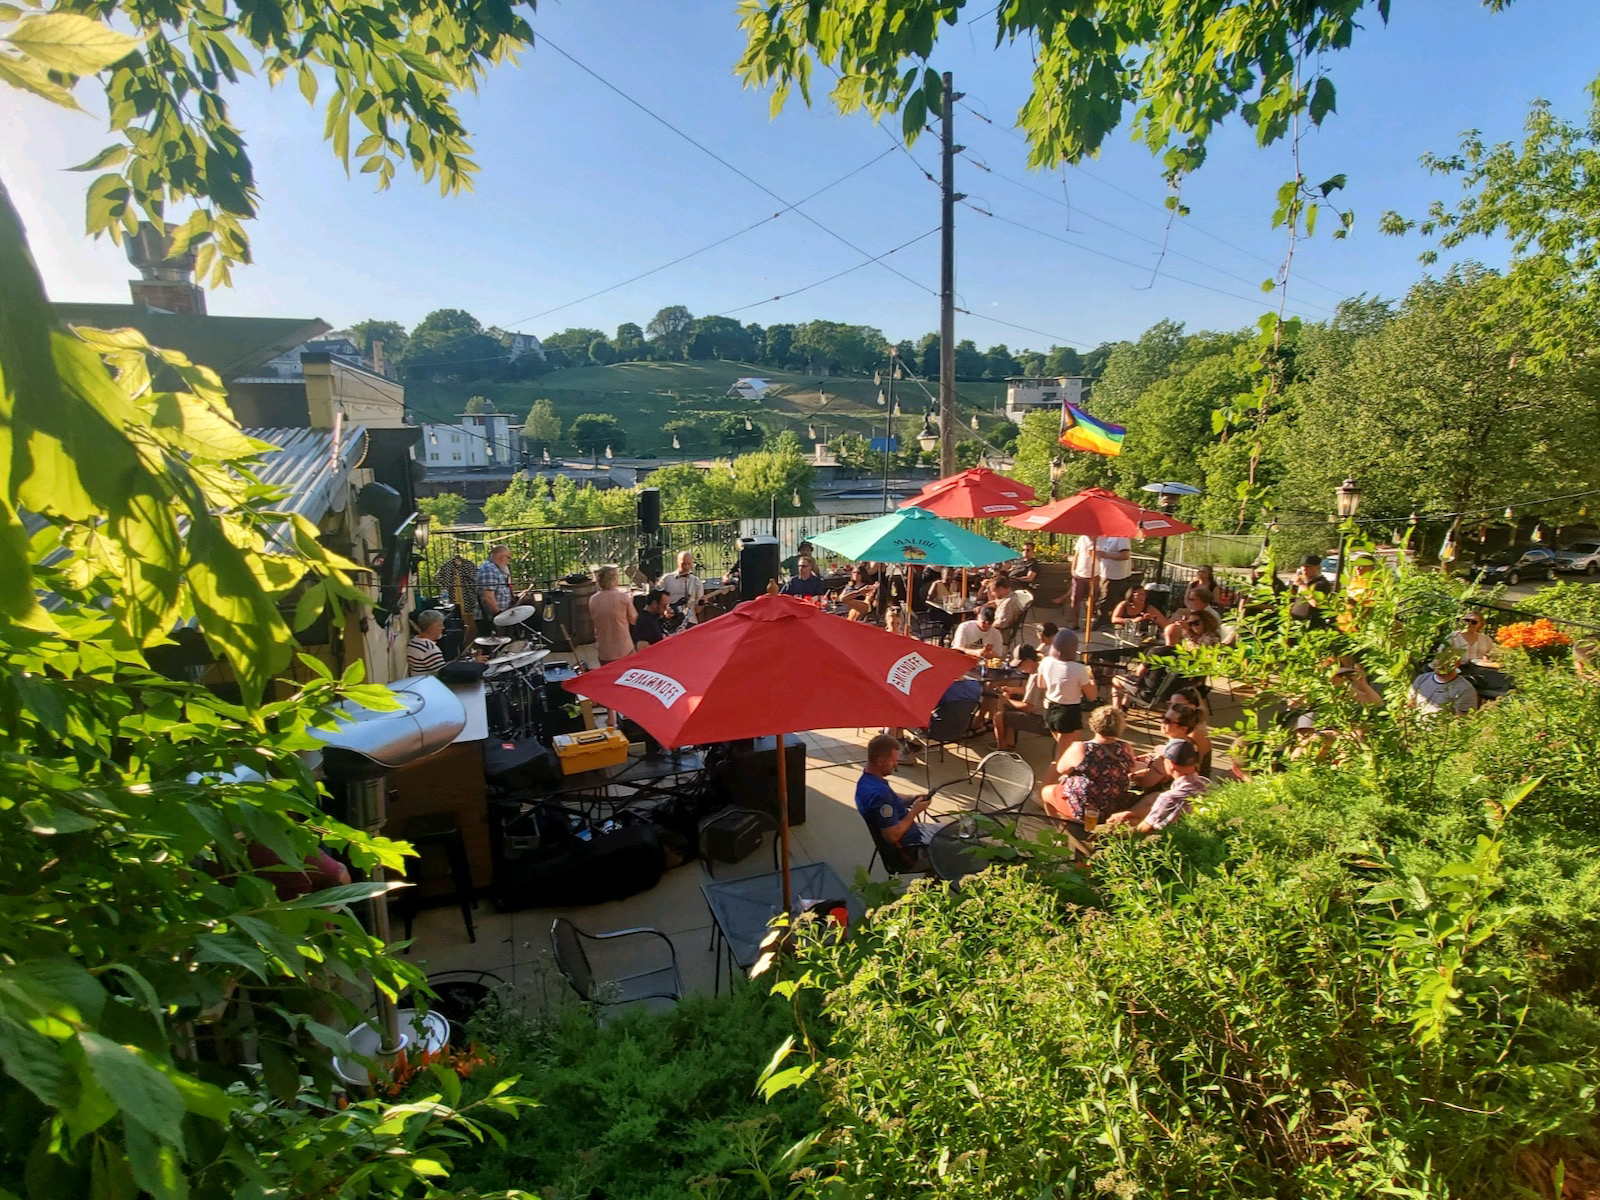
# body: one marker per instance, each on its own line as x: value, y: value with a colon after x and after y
x: 645, y: 396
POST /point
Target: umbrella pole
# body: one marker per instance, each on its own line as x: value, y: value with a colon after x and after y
x: 783, y: 817
x: 1094, y: 586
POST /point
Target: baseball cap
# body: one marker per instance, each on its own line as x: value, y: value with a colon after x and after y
x: 1182, y: 754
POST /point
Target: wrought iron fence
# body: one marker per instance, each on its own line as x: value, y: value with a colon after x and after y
x: 542, y: 555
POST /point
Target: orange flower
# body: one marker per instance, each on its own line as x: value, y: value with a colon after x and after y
x: 1532, y: 635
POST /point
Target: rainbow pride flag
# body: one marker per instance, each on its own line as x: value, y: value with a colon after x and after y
x: 1080, y: 431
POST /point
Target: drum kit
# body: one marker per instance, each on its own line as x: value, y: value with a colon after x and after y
x: 514, y: 680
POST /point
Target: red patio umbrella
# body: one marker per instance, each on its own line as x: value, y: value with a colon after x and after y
x: 774, y: 665
x: 1011, y: 489
x: 1098, y: 513
x: 966, y: 497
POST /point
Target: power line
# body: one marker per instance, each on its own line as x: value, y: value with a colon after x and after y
x: 704, y: 149
x: 1139, y: 237
x: 1159, y: 208
x: 837, y: 275
x: 1112, y: 257
x: 703, y: 249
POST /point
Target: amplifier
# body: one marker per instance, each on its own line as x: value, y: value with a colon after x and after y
x: 728, y: 836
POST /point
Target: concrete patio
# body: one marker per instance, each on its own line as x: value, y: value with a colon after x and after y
x: 516, y: 946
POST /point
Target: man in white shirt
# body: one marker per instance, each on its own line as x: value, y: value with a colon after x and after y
x: 1067, y: 684
x: 1114, y: 566
x: 978, y: 637
x: 684, y: 588
x: 1082, y: 580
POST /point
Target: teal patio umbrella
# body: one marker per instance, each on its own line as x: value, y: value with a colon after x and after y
x: 913, y: 536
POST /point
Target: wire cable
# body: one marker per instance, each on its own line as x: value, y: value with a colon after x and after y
x: 704, y: 149
x: 837, y: 275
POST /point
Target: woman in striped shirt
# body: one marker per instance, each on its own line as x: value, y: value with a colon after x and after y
x: 422, y: 652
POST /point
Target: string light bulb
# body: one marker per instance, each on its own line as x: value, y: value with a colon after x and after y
x: 795, y: 500
x: 811, y: 432
x: 1538, y: 532
x: 676, y: 444
x: 881, y: 400
x: 1509, y: 516
x: 1414, y: 517
x: 608, y: 451
x: 974, y: 420
x: 747, y: 426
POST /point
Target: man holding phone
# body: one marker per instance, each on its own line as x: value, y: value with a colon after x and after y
x: 891, y: 814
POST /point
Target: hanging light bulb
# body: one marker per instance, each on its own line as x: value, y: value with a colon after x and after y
x: 1509, y: 516
x: 676, y: 444
x: 881, y: 400
x: 747, y: 426
x: 974, y: 420
x: 547, y: 456
x: 811, y: 432
x: 1414, y: 517
x: 877, y: 377
x: 795, y: 500
x: 433, y: 437
x: 1538, y: 532
x: 608, y: 451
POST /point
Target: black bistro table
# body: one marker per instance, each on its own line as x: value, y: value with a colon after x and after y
x: 639, y: 782
x: 965, y: 845
x: 742, y: 909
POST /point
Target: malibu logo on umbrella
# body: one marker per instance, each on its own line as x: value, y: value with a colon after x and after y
x: 904, y: 671
x: 914, y: 550
x: 664, y: 688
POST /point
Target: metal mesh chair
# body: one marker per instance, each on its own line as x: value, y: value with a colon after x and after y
x: 1001, y: 783
x: 662, y: 983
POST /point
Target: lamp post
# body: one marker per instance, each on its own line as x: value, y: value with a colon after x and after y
x: 794, y: 500
x: 1057, y: 470
x: 1168, y: 502
x: 1347, y: 501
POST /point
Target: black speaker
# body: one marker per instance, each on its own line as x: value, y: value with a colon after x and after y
x: 590, y: 869
x: 748, y: 777
x: 649, y: 510
x: 758, y: 565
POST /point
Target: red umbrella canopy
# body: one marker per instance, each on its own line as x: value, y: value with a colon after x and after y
x: 774, y: 665
x: 1011, y: 489
x: 1099, y: 513
x: 965, y: 498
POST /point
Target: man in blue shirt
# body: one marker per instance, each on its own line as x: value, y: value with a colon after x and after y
x: 884, y: 809
x: 808, y: 582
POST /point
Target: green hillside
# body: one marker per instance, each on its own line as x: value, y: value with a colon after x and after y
x: 645, y: 396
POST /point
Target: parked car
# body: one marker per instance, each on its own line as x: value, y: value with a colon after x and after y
x: 1580, y: 557
x: 1513, y: 566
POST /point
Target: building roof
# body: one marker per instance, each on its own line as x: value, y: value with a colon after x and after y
x: 230, y: 346
x: 304, y: 465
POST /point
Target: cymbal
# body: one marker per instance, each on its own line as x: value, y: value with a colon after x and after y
x: 515, y: 616
x: 491, y: 643
x: 514, y: 662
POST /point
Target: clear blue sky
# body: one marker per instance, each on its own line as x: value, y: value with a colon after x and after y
x: 580, y: 190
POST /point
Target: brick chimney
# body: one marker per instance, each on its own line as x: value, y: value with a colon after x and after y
x: 166, y: 282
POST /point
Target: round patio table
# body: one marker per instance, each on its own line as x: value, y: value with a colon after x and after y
x: 953, y: 857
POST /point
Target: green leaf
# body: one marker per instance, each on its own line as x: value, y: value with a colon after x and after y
x: 134, y: 1083
x: 47, y: 818
x: 1332, y: 184
x: 34, y: 1061
x: 1322, y: 100
x: 31, y: 77
x: 345, y: 893
x: 72, y: 43
x: 111, y: 156
x: 157, y: 1166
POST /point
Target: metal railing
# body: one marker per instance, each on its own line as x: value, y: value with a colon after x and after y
x: 542, y: 555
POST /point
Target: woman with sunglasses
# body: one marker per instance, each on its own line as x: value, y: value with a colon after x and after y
x: 1476, y: 646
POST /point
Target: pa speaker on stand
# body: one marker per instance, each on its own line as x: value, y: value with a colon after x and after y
x: 758, y: 565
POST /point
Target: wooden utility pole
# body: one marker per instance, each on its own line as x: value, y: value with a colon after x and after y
x: 947, y: 285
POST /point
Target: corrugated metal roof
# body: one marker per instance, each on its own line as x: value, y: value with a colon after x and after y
x: 303, y: 463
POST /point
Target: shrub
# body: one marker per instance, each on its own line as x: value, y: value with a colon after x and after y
x: 651, y: 1107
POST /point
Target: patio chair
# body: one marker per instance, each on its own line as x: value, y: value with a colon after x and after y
x: 1012, y: 635
x: 894, y: 859
x: 950, y: 723
x: 662, y: 983
x: 1001, y: 782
